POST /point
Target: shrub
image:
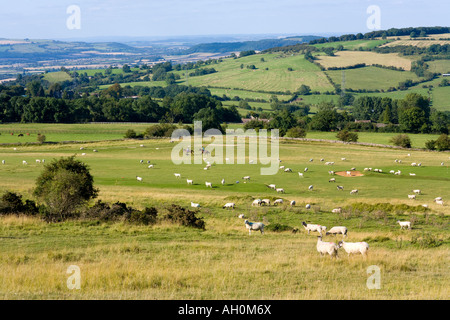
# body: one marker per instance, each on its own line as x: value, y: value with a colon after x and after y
x: 442, y: 143
x: 41, y: 138
x: 430, y: 144
x: 12, y: 203
x: 401, y: 140
x: 130, y: 134
x: 296, y: 132
x: 160, y: 130
x: 347, y: 136
x: 277, y: 227
x: 184, y: 217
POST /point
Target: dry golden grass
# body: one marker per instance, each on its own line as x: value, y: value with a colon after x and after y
x: 350, y: 58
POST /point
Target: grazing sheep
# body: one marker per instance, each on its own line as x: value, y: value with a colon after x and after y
x: 94, y: 150
x: 265, y: 202
x: 330, y: 248
x: 195, y: 205
x: 349, y: 173
x: 310, y: 187
x: 392, y: 171
x: 255, y: 226
x: 222, y: 182
x: 355, y: 191
x: 292, y: 203
x: 404, y: 224
x: 314, y: 227
x: 229, y: 205
x: 288, y: 170
x: 412, y: 174
x: 241, y: 216
x: 332, y: 180
x: 354, y: 247
x: 3, y: 161
x: 300, y: 174
x: 425, y: 205
x: 329, y: 163
x: 190, y: 181
x: 24, y: 162
x: 308, y: 206
x: 38, y: 161
x: 343, y: 159
x: 257, y: 202
x: 246, y: 178
x: 139, y: 178
x: 417, y: 191
x: 341, y: 188
x: 177, y: 175
x: 208, y: 184
x: 398, y: 173
x: 306, y: 169
x: 278, y: 201
x: 440, y: 202
x: 272, y: 186
x: 141, y: 161
x: 280, y: 190
x: 338, y: 230
x: 438, y: 199
x: 412, y: 196
x: 331, y: 173
x: 282, y: 167
x: 151, y: 166
x: 337, y: 210
x: 83, y: 154
x: 413, y: 164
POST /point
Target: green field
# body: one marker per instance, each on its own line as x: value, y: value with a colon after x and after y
x: 353, y: 45
x: 165, y: 261
x: 59, y: 76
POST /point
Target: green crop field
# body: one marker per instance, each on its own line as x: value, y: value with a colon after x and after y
x: 59, y: 76
x: 371, y: 78
x: 353, y: 45
x: 166, y: 261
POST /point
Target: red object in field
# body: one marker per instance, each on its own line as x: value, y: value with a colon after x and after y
x: 28, y: 134
x: 12, y: 133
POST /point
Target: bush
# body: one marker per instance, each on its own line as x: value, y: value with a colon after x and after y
x: 160, y: 130
x: 277, y: 227
x: 442, y: 143
x: 296, y: 132
x: 401, y: 140
x: 41, y: 138
x: 12, y: 203
x: 184, y: 217
x: 430, y: 144
x: 130, y: 134
x: 347, y: 136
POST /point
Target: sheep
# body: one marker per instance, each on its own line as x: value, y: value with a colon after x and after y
x: 222, y: 182
x: 329, y: 163
x: 265, y: 202
x: 413, y: 164
x: 331, y: 173
x: 38, y: 161
x: 151, y: 166
x: 280, y: 190
x: 404, y: 224
x: 308, y: 206
x: 392, y: 171
x: 177, y: 175
x: 300, y: 174
x: 425, y: 205
x: 94, y: 150
x: 355, y: 191
x: 349, y: 173
x: 229, y: 205
x: 278, y: 201
x: 288, y: 170
x: 341, y: 188
x: 282, y: 167
x: 191, y: 182
x: 332, y: 180
x: 241, y: 216
x: 314, y: 227
x: 306, y: 169
x: 3, y: 161
x: 24, y: 162
x: 354, y: 247
x: 257, y: 202
x: 440, y: 202
x: 398, y: 173
x: 208, y: 184
x: 272, y: 186
x: 139, y: 178
x: 310, y: 187
x: 412, y: 196
x: 293, y: 203
x: 438, y: 199
x: 330, y: 248
x: 195, y: 205
x: 246, y: 178
x: 337, y: 210
x: 83, y: 154
x: 141, y: 161
x: 338, y: 230
x: 412, y: 174
x: 343, y: 159
x: 255, y: 226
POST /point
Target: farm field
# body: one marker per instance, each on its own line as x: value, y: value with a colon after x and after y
x: 165, y: 261
x: 354, y: 44
x: 343, y: 59
x: 371, y: 78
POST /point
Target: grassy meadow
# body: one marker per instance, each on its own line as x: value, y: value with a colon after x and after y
x: 166, y: 261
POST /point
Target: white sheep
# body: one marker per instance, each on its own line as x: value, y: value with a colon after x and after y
x: 278, y: 201
x: 195, y: 205
x: 337, y: 210
x: 308, y: 206
x: 139, y: 178
x: 354, y: 247
x: 255, y: 226
x: 24, y: 162
x: 300, y: 174
x: 314, y: 227
x: 222, y: 182
x: 355, y: 191
x: 417, y: 191
x: 177, y: 175
x: 310, y: 187
x: 341, y: 188
x: 272, y: 186
x: 229, y: 205
x: 280, y: 190
x: 265, y: 202
x: 412, y: 196
x: 330, y: 248
x: 404, y: 224
x: 288, y: 170
x: 190, y: 181
x: 440, y: 202
x: 338, y: 230
x: 246, y: 178
x: 257, y: 202
x: 292, y: 203
x: 332, y: 180
x: 306, y: 169
x: 241, y: 216
x: 151, y: 166
x: 3, y: 161
x: 412, y: 174
x: 208, y: 184
x: 282, y: 167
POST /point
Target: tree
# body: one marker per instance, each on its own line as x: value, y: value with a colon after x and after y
x: 347, y: 136
x: 64, y: 186
x: 401, y: 140
x: 442, y: 143
x: 126, y: 68
x: 296, y: 132
x: 304, y: 90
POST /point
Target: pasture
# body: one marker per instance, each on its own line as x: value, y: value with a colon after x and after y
x: 165, y: 261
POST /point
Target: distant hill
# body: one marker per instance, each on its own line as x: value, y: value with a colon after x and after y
x: 260, y: 45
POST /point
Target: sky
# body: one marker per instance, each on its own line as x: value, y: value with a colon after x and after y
x: 50, y: 19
